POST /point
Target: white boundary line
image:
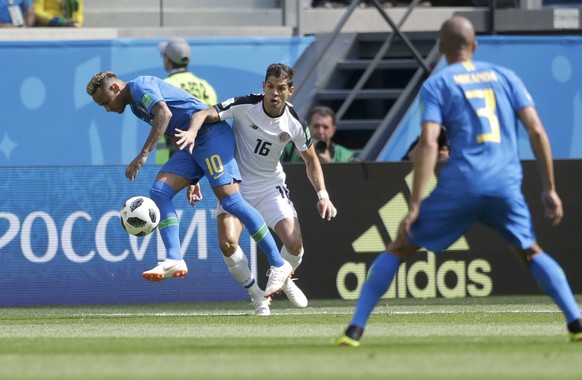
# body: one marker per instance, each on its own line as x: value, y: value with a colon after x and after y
x: 312, y: 312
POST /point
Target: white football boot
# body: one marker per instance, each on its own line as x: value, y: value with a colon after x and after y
x: 294, y: 294
x: 166, y: 269
x: 262, y: 308
x: 277, y: 278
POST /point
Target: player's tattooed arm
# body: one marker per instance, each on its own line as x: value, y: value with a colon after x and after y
x: 162, y: 116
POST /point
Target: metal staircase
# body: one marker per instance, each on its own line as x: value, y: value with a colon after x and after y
x: 369, y: 79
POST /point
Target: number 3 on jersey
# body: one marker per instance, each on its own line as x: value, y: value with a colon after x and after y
x: 487, y: 112
x: 214, y: 165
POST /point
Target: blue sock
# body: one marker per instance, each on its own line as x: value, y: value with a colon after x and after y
x: 169, y: 228
x: 377, y: 283
x: 235, y: 204
x: 551, y: 278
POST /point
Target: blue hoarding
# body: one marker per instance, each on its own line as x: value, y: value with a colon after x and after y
x: 61, y: 241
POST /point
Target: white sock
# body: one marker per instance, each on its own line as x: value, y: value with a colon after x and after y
x: 238, y: 266
x: 295, y: 261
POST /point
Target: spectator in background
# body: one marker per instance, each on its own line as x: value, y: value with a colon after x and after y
x: 65, y: 13
x: 16, y: 13
x: 176, y: 56
x: 322, y: 127
x: 443, y: 151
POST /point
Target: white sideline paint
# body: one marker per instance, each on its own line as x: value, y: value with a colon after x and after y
x: 308, y: 312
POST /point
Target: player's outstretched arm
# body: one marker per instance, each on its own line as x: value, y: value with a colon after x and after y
x: 325, y: 208
x: 540, y: 145
x: 186, y: 139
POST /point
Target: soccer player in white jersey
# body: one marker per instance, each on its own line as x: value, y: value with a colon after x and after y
x: 263, y: 125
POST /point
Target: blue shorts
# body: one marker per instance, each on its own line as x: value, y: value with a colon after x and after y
x: 444, y: 217
x: 213, y: 157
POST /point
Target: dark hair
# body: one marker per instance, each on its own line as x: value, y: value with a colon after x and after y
x: 281, y: 71
x: 177, y: 65
x: 322, y: 111
x: 443, y: 142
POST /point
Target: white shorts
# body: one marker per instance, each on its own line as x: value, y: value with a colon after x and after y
x: 274, y: 205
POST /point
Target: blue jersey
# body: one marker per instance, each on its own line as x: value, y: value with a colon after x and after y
x: 213, y: 155
x: 147, y: 91
x: 477, y: 103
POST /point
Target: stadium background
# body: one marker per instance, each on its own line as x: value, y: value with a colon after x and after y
x: 62, y: 162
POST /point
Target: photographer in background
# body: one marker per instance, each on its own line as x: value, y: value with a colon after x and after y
x: 443, y: 150
x: 322, y: 127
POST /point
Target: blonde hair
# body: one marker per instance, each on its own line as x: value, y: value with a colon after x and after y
x: 99, y: 80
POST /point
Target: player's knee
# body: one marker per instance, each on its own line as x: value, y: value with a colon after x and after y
x: 231, y: 200
x: 160, y: 192
x: 401, y: 249
x: 294, y: 247
x: 290, y: 236
x: 228, y: 247
x: 527, y: 254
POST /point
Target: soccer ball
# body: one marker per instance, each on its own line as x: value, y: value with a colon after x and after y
x: 140, y: 216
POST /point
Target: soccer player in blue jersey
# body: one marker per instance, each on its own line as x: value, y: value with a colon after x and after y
x: 479, y: 104
x: 169, y: 109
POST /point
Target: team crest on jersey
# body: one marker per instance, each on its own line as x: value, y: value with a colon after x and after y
x: 284, y: 137
x: 147, y: 100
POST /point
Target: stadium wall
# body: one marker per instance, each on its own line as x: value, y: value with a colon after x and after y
x: 61, y: 241
x: 48, y: 119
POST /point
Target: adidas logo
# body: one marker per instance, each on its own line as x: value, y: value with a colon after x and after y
x: 392, y: 214
x: 424, y: 278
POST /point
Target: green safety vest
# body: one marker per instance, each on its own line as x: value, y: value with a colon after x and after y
x: 200, y: 89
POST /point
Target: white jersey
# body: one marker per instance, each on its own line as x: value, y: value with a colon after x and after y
x: 260, y: 140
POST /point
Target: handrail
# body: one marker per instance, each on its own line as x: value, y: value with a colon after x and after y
x: 334, y: 34
x: 396, y: 30
x: 372, y: 66
x: 392, y: 119
x: 350, y: 9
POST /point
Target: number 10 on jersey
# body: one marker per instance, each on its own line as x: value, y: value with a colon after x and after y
x: 214, y: 164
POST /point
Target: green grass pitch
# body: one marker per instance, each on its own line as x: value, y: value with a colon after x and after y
x: 474, y: 338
